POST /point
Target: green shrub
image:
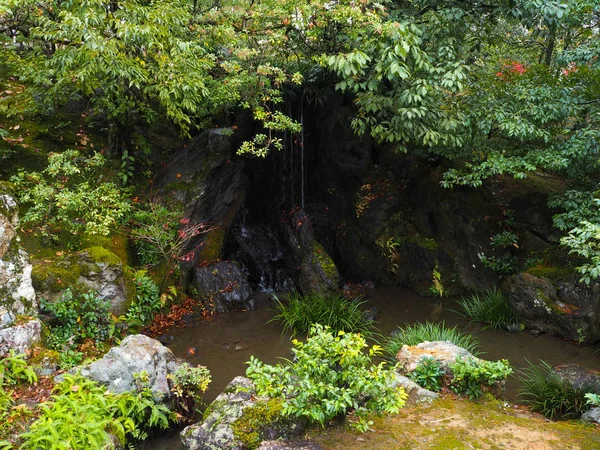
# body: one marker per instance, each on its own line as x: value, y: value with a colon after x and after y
x: 545, y: 392
x: 592, y: 399
x: 428, y: 331
x: 473, y: 378
x: 329, y: 377
x: 331, y: 309
x: 187, y: 386
x: 428, y: 374
x: 14, y: 370
x: 69, y: 198
x: 147, y: 301
x: 81, y: 414
x: 489, y: 307
x: 79, y: 318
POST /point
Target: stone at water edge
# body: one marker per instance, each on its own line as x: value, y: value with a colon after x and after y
x: 137, y: 353
x: 20, y: 338
x: 216, y: 431
x: 223, y: 287
x: 445, y: 352
x: 579, y: 377
x: 592, y: 416
x: 416, y: 394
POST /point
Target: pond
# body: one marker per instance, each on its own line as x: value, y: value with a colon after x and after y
x: 225, y: 342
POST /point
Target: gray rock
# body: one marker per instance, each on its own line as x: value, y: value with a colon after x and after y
x: 94, y: 269
x: 445, y: 352
x: 223, y: 287
x: 215, y: 431
x: 20, y: 338
x: 289, y: 445
x: 579, y: 377
x: 17, y: 296
x: 137, y: 353
x: 593, y: 416
x: 562, y: 307
x: 416, y: 394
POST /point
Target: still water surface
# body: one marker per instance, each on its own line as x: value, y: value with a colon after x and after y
x: 223, y: 343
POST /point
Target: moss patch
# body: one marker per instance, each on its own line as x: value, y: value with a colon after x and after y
x: 456, y: 424
x: 552, y: 273
x: 55, y: 275
x: 325, y: 261
x: 101, y: 255
x: 249, y: 428
x: 117, y: 244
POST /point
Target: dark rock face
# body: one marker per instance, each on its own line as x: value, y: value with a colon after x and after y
x: 223, y: 287
x: 561, y: 307
x: 260, y: 249
x: 579, y: 377
x: 207, y: 179
x: 316, y: 271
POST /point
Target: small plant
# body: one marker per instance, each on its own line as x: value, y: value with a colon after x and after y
x: 389, y: 249
x: 334, y: 310
x: 330, y: 376
x: 428, y: 374
x: 79, y: 318
x: 592, y: 399
x: 505, y: 239
x: 545, y: 392
x: 14, y: 370
x: 436, y: 288
x: 503, y: 265
x: 472, y: 377
x: 82, y: 415
x: 187, y: 385
x: 147, y: 301
x: 421, y: 332
x: 489, y: 307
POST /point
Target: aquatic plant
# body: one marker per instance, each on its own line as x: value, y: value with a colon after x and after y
x: 545, y: 392
x: 331, y: 309
x: 420, y: 332
x: 489, y: 307
x: 330, y: 376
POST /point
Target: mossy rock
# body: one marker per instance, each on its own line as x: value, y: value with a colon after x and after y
x: 554, y: 274
x: 259, y: 422
x: 117, y: 244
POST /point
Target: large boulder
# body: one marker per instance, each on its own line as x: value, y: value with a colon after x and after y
x: 21, y: 337
x: 207, y: 179
x: 93, y: 269
x: 316, y: 271
x: 17, y: 296
x: 215, y: 431
x: 223, y: 287
x: 579, y: 377
x: 236, y: 420
x: 556, y: 304
x: 444, y: 352
x: 137, y: 353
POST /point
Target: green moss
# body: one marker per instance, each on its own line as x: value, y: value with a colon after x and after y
x: 249, y: 428
x: 426, y: 243
x: 212, y: 247
x: 117, y: 244
x: 549, y: 302
x: 55, y: 276
x: 552, y: 273
x: 325, y: 261
x: 101, y: 255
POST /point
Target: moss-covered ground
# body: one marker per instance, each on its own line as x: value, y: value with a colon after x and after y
x: 452, y: 423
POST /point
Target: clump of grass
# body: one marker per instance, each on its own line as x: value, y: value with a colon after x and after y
x: 545, y: 392
x: 428, y: 331
x: 489, y: 307
x: 331, y: 309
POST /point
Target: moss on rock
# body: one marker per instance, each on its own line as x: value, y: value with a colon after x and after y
x: 554, y: 274
x: 250, y: 427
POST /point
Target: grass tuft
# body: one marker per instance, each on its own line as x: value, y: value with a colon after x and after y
x: 545, y: 392
x: 428, y: 331
x: 489, y: 307
x: 332, y: 309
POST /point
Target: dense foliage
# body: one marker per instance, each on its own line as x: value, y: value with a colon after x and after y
x: 329, y: 376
